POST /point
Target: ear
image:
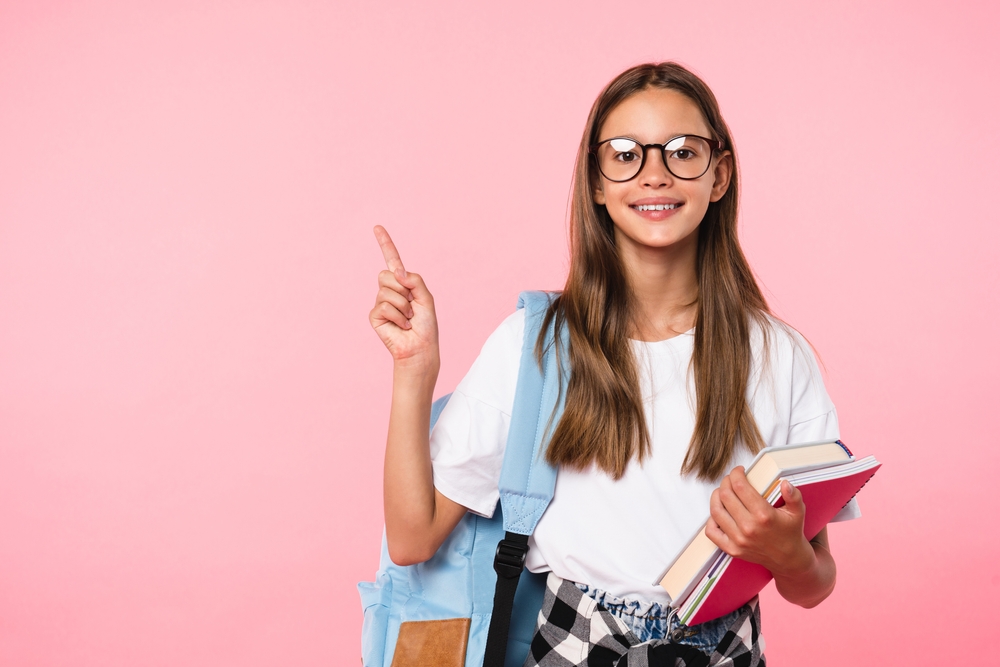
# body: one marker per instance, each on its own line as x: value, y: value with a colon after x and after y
x: 723, y: 172
x: 599, y: 197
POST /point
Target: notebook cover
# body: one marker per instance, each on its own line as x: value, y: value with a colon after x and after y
x: 740, y: 580
x: 695, y: 580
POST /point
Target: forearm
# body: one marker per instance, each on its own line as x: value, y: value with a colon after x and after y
x: 417, y: 518
x: 810, y: 582
x: 408, y: 483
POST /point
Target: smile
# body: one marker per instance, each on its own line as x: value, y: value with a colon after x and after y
x: 656, y: 207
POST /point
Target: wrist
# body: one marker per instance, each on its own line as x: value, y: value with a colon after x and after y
x: 808, y: 585
x: 800, y: 564
x: 417, y: 368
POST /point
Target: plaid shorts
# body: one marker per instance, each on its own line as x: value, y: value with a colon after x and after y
x: 574, y: 630
x: 652, y: 620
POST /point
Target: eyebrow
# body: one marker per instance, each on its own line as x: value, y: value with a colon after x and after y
x: 634, y: 138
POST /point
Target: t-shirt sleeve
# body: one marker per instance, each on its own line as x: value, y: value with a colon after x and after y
x: 814, y: 417
x: 469, y: 438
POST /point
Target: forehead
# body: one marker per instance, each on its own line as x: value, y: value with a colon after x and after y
x: 654, y: 115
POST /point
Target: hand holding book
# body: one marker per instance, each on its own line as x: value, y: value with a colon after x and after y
x: 744, y: 525
x: 804, y: 486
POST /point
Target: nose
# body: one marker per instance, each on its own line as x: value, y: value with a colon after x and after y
x: 654, y: 172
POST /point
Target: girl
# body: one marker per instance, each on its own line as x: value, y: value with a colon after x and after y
x: 679, y: 376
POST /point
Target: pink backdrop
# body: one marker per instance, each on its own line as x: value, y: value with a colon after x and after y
x: 193, y: 406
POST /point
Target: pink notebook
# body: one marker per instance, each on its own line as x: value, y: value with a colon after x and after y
x: 730, y: 583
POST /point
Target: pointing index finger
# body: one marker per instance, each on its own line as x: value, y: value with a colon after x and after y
x: 389, y: 252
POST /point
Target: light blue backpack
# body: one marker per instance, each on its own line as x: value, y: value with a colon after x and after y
x: 460, y: 584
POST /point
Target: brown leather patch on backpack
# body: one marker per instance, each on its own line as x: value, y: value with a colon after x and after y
x: 439, y: 643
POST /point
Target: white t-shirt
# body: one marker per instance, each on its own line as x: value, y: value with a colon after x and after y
x: 619, y: 535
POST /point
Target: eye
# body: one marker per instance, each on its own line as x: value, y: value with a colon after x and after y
x: 686, y: 149
x: 625, y: 150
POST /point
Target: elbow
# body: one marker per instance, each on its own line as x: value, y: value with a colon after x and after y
x: 810, y: 591
x: 810, y: 603
x: 405, y: 558
x: 408, y: 554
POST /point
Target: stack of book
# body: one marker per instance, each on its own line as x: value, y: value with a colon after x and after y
x: 705, y: 583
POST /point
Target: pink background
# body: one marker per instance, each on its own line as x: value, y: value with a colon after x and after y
x: 193, y: 405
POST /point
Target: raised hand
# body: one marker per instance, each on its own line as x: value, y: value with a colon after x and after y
x: 403, y: 316
x: 418, y: 517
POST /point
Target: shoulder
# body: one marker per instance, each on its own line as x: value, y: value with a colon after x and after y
x: 777, y: 343
x: 493, y: 375
x: 508, y: 335
x: 786, y: 362
x: 503, y: 346
x: 468, y: 441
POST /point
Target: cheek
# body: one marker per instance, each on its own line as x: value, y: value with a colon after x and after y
x: 612, y: 195
x: 700, y: 198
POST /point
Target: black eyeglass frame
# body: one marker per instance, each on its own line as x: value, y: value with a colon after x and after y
x: 714, y: 144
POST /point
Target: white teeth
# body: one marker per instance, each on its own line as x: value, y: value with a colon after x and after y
x: 656, y: 207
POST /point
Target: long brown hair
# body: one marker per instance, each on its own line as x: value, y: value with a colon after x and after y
x: 603, y: 421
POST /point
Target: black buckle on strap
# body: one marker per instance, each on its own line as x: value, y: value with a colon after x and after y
x: 509, y: 559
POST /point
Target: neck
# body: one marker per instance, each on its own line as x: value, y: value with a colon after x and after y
x: 664, y: 283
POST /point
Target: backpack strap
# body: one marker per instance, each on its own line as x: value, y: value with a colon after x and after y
x: 527, y: 481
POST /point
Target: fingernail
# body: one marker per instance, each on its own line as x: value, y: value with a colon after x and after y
x: 408, y: 325
x: 411, y: 313
x: 409, y: 296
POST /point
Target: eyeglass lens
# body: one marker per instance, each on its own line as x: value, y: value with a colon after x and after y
x: 620, y: 159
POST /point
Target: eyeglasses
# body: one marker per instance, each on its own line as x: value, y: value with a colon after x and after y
x: 687, y: 157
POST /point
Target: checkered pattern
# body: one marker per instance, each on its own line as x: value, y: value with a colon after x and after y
x: 575, y: 631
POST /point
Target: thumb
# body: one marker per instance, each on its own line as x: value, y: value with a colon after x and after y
x: 414, y: 283
x: 793, y: 497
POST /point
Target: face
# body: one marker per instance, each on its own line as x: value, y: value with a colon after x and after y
x: 657, y: 211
